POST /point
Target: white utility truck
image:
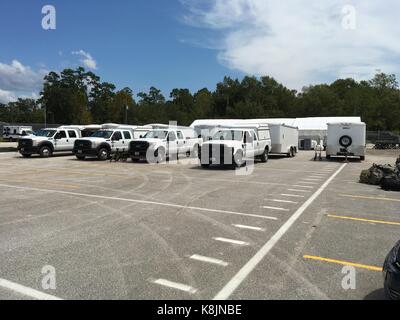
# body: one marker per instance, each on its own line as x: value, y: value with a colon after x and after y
x: 109, y: 139
x: 165, y: 142
x: 13, y: 133
x: 346, y: 140
x: 285, y: 139
x: 231, y: 146
x: 48, y: 141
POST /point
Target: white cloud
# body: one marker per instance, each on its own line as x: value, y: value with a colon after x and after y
x: 18, y: 80
x: 301, y: 42
x: 86, y: 59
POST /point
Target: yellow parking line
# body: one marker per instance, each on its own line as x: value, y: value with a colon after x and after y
x: 368, y: 197
x: 364, y: 220
x: 344, y: 263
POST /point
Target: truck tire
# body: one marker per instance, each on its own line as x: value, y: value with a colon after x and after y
x: 160, y: 155
x: 45, y: 152
x: 264, y: 156
x: 103, y: 154
x: 80, y: 157
x: 238, y: 159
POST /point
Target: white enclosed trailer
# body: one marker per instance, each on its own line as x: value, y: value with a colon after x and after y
x: 285, y: 139
x: 16, y: 132
x: 346, y: 139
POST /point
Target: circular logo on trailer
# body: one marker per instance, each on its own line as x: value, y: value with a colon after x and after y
x: 345, y: 141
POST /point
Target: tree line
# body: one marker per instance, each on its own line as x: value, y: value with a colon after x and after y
x: 80, y: 97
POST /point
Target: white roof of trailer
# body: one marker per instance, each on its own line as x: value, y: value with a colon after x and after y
x: 314, y: 123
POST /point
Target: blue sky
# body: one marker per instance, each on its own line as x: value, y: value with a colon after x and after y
x: 138, y: 43
x: 195, y: 43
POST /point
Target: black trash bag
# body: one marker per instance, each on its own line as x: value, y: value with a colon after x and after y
x: 398, y: 164
x: 391, y: 183
x: 391, y: 270
x: 375, y: 174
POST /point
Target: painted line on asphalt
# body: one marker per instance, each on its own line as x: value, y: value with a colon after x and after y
x: 368, y: 197
x: 209, y: 260
x: 301, y: 186
x: 275, y: 208
x: 344, y: 263
x: 26, y: 291
x: 297, y: 190
x: 145, y: 202
x: 237, y: 242
x: 292, y: 195
x: 241, y: 226
x: 308, y: 182
x: 364, y: 220
x: 307, y: 179
x: 245, y: 271
x: 284, y: 201
x: 175, y: 285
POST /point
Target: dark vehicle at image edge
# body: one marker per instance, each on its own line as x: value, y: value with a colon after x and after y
x: 391, y: 272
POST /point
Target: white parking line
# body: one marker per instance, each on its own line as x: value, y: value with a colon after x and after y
x: 209, y: 260
x: 175, y: 285
x: 26, y: 291
x: 244, y: 272
x: 163, y: 204
x: 238, y: 242
x: 275, y: 208
x: 297, y: 190
x: 241, y: 226
x: 300, y: 186
x: 292, y: 195
x: 308, y: 179
x: 308, y: 182
x: 284, y: 201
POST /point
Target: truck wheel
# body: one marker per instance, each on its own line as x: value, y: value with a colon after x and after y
x: 264, y: 156
x: 160, y: 155
x: 45, y: 152
x: 238, y: 159
x: 103, y: 154
x: 80, y: 157
x: 195, y: 153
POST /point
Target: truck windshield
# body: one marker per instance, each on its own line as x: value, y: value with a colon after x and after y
x: 105, y: 134
x: 229, y: 135
x: 157, y: 134
x: 45, y: 133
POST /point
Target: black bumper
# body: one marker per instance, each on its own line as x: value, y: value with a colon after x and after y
x: 28, y: 150
x: 86, y: 152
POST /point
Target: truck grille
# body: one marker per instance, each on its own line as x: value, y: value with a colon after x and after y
x: 25, y: 143
x: 216, y: 154
x: 139, y: 146
x: 83, y: 144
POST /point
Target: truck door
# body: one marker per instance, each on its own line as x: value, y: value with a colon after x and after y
x: 117, y: 141
x: 73, y: 135
x: 172, y: 143
x: 183, y: 146
x: 61, y: 141
x: 248, y: 144
x: 127, y: 139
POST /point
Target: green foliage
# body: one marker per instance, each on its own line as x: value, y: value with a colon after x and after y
x: 80, y: 97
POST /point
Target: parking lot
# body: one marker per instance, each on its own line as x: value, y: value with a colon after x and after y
x: 168, y: 231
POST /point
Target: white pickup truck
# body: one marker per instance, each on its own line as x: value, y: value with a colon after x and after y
x: 165, y: 143
x: 110, y: 139
x: 231, y: 146
x: 48, y: 141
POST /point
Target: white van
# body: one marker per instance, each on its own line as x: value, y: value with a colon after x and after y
x: 346, y: 139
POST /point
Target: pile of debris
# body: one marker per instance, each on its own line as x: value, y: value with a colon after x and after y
x: 387, y: 176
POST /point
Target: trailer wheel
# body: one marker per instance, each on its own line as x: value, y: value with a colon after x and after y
x: 205, y: 166
x: 45, y: 152
x: 264, y: 156
x: 293, y: 152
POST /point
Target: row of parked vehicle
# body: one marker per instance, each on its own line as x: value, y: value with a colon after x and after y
x: 219, y: 145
